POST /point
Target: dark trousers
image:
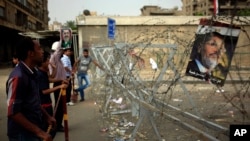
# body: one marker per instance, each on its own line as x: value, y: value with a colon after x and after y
x: 52, y: 132
x: 59, y: 110
x: 23, y: 137
x: 68, y: 91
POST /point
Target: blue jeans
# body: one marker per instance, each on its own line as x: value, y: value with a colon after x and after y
x: 23, y: 137
x: 80, y: 89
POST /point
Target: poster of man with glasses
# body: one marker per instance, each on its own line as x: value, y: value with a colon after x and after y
x: 66, y: 37
x: 212, y: 51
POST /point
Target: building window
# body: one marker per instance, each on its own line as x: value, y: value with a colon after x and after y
x: 29, y: 25
x: 24, y: 2
x: 33, y: 26
x: 2, y: 12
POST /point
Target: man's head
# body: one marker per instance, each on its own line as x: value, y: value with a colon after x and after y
x: 29, y: 50
x: 56, y: 46
x: 45, y: 62
x: 212, y: 49
x: 85, y: 52
x: 15, y: 59
x: 67, y: 51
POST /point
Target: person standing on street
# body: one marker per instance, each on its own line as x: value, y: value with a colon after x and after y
x: 68, y: 68
x: 25, y: 113
x: 81, y: 65
x: 60, y: 74
x: 45, y: 90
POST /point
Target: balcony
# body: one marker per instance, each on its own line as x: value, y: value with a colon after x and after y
x: 194, y: 2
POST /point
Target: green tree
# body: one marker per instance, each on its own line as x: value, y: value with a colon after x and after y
x: 71, y: 24
x: 243, y: 12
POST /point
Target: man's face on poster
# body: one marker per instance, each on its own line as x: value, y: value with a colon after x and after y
x: 211, y: 52
x: 66, y: 35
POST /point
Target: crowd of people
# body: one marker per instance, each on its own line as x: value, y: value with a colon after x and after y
x: 31, y: 114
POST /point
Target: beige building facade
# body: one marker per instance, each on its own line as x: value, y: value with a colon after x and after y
x: 55, y: 26
x: 24, y: 15
x: 206, y: 7
x: 152, y: 10
x: 16, y: 17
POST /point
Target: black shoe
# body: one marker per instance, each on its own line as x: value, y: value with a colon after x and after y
x: 81, y: 100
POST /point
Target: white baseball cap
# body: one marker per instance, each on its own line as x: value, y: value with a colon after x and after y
x: 55, y: 45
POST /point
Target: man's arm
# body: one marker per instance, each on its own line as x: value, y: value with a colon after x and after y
x: 52, y: 65
x: 75, y: 65
x: 67, y: 69
x: 97, y: 64
x: 53, y: 70
x: 22, y: 120
x: 53, y: 80
x: 50, y: 90
x: 51, y: 120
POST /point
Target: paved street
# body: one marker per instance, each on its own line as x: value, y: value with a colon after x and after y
x: 3, y: 109
x: 84, y: 118
x: 85, y: 121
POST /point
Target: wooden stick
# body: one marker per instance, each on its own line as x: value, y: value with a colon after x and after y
x: 54, y: 112
x: 65, y: 115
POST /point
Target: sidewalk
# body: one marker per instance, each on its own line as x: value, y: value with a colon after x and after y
x: 83, y: 122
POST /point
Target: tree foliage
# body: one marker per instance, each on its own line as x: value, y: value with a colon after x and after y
x: 243, y: 12
x: 71, y: 24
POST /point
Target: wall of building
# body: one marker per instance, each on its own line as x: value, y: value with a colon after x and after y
x: 205, y: 7
x: 19, y: 16
x: 178, y: 30
x: 25, y: 16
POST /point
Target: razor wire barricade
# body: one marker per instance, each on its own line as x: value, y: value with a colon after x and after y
x: 143, y: 98
x: 141, y: 103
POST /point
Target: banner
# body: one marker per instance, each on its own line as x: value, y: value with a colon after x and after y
x: 216, y: 7
x: 66, y: 37
x: 212, y: 51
